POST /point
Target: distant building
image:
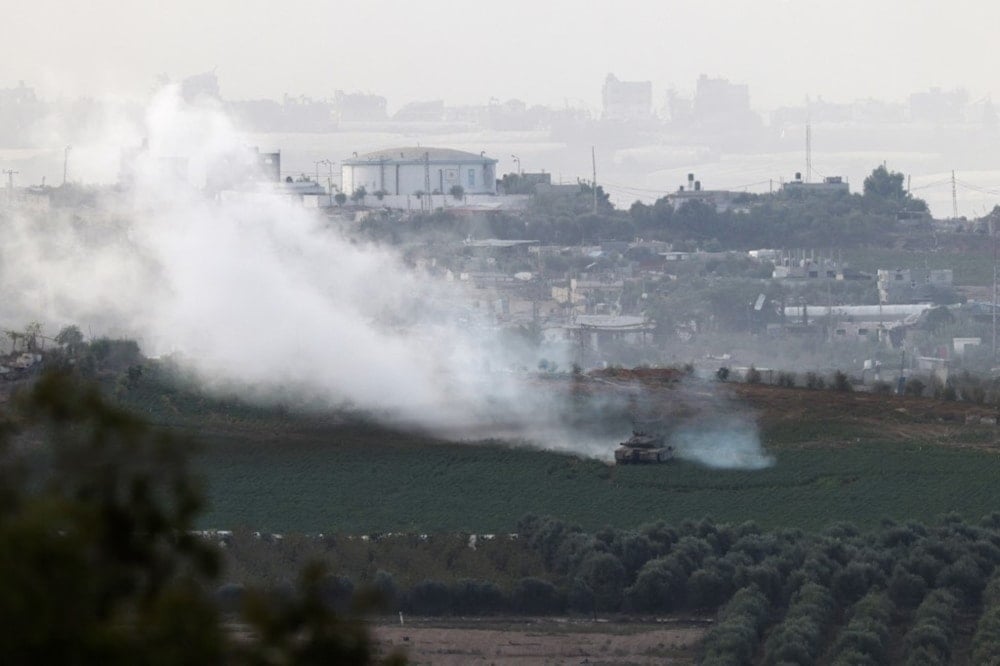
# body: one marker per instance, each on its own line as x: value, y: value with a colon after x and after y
x: 401, y: 171
x: 721, y: 200
x: 938, y: 106
x: 20, y: 109
x: 205, y: 85
x: 524, y: 183
x: 627, y: 100
x: 359, y: 106
x: 829, y: 185
x: 432, y: 111
x: 719, y: 97
x: 905, y: 285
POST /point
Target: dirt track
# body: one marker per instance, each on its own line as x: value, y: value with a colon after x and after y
x: 541, y: 641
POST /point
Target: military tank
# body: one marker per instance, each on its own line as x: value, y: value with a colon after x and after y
x: 643, y: 448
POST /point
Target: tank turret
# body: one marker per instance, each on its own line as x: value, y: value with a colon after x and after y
x: 643, y: 447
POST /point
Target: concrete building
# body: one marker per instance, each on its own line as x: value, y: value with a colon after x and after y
x: 627, y: 100
x: 403, y: 171
x: 721, y: 200
x: 829, y: 185
x: 358, y: 106
x: 718, y: 97
x: 905, y: 285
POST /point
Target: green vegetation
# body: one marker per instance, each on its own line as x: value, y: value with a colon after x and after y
x: 787, y: 219
x: 358, y: 479
x: 100, y: 562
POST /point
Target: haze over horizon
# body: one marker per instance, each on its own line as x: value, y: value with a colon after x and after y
x: 552, y: 53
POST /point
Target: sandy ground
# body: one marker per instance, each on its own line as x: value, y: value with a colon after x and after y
x: 542, y: 641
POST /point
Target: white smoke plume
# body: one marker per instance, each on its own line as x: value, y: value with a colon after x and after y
x: 256, y: 291
x: 258, y: 295
x: 727, y: 443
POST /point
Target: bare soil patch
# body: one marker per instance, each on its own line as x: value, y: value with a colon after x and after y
x: 542, y: 641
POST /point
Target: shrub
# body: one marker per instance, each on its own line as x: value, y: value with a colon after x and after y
x: 535, y: 596
x: 799, y: 638
x: 658, y: 587
x: 734, y: 638
x: 881, y: 387
x: 841, y: 382
x: 815, y: 381
x: 477, y: 597
x: 722, y: 374
x: 929, y: 639
x: 429, y: 597
x: 906, y: 589
x: 914, y: 386
x: 605, y: 576
x: 865, y: 639
x: 786, y: 379
x: 753, y: 375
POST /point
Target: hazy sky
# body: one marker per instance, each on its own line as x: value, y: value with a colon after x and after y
x: 540, y: 51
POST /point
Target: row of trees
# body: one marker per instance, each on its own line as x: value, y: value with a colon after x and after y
x: 784, y: 219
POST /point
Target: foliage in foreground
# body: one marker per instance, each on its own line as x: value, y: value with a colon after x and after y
x: 101, y: 566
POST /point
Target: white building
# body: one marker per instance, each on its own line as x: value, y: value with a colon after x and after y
x: 403, y: 171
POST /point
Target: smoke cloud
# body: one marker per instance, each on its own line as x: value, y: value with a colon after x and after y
x: 259, y: 295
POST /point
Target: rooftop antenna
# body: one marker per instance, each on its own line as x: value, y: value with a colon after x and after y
x: 593, y: 163
x: 66, y: 161
x: 993, y: 310
x: 10, y: 184
x: 809, y: 159
x: 954, y: 197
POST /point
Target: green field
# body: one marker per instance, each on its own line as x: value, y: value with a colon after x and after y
x: 357, y: 480
x: 275, y: 470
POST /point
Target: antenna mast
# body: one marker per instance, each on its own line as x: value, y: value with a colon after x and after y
x: 809, y: 158
x: 593, y: 163
x: 954, y: 197
x: 10, y: 184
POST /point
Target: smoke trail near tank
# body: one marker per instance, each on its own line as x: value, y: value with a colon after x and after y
x: 733, y: 443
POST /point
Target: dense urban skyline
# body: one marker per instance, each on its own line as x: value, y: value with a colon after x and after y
x: 552, y: 53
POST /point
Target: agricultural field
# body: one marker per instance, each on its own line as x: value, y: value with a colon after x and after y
x: 836, y: 456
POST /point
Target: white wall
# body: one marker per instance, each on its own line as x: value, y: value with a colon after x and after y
x: 432, y: 202
x: 473, y: 177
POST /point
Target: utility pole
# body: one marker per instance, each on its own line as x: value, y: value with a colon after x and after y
x: 66, y: 161
x: 10, y: 184
x: 593, y: 163
x: 809, y: 159
x: 993, y: 234
x: 954, y: 197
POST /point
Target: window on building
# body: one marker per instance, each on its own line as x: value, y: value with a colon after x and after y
x: 862, y: 331
x: 472, y: 177
x: 841, y: 331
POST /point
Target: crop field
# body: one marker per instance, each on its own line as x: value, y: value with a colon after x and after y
x: 837, y: 456
x: 349, y: 482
